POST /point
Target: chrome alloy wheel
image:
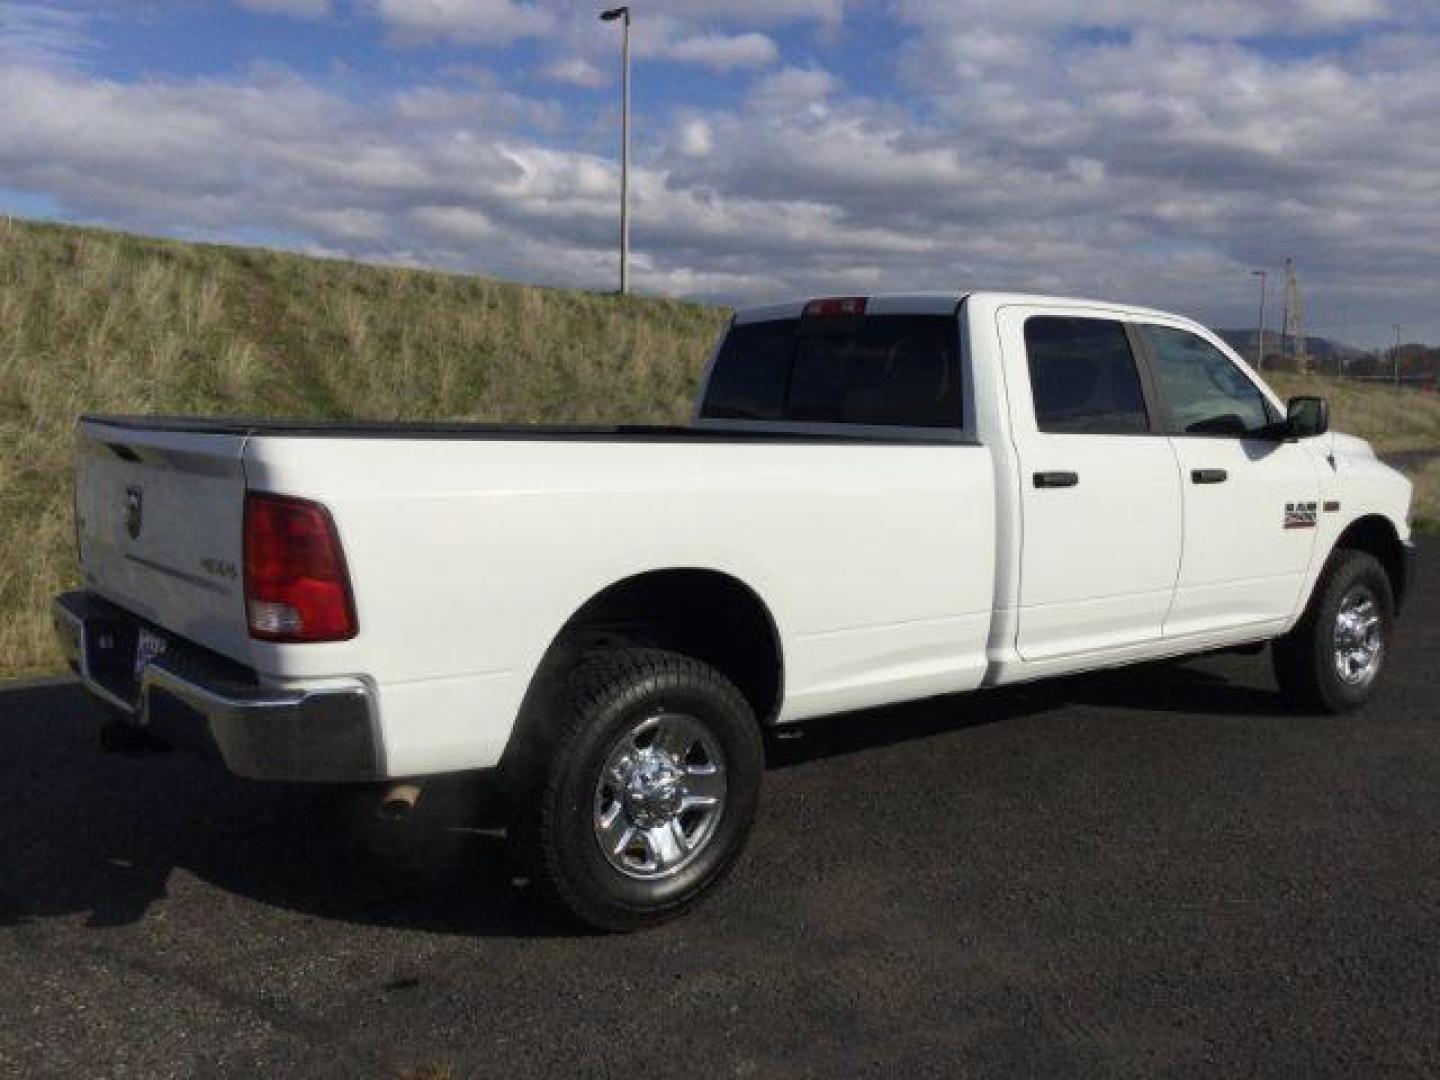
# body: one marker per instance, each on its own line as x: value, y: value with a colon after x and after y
x: 1359, y: 637
x: 660, y: 796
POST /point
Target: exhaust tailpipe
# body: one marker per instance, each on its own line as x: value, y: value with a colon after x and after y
x: 398, y: 801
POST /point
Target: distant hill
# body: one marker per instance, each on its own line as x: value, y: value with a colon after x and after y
x: 1326, y: 352
x: 1418, y: 363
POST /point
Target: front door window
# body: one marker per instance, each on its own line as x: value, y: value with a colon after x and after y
x: 1207, y: 394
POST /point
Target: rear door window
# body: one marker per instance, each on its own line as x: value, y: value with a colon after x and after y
x: 1083, y: 377
x: 889, y: 370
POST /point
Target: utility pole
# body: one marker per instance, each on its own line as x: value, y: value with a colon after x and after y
x: 1295, y: 319
x: 623, y: 13
x: 1260, y: 347
x: 1396, y: 357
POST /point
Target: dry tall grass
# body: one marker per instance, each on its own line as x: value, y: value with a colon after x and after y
x: 1426, y: 477
x: 99, y: 322
x: 1393, y: 420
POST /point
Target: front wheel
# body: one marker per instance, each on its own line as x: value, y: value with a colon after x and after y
x: 1331, y: 661
x: 644, y: 792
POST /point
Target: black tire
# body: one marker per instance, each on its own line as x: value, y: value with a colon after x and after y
x: 1305, y: 658
x: 555, y: 805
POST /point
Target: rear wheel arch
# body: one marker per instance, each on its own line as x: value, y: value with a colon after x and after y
x: 706, y: 614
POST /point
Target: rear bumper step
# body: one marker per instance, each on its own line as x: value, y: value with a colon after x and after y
x: 326, y: 733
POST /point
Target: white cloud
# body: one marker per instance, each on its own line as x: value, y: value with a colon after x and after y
x: 303, y: 9
x: 793, y: 90
x: 682, y: 32
x: 391, y: 182
x: 492, y: 108
x: 1157, y: 164
x: 344, y: 225
x: 467, y: 20
x: 758, y: 11
x: 1226, y: 19
x: 46, y: 35
x: 695, y: 138
x: 723, y: 52
x: 472, y: 22
x: 450, y: 223
x: 576, y: 71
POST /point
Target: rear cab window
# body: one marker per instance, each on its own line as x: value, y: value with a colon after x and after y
x: 883, y: 370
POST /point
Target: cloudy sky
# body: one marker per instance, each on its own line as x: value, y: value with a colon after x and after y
x: 1136, y: 149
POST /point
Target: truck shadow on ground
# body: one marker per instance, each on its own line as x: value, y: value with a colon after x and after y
x: 1168, y: 687
x: 84, y: 832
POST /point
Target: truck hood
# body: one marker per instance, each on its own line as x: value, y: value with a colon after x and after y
x: 1350, y: 446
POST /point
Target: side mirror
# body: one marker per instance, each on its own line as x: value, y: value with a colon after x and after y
x: 1306, y: 417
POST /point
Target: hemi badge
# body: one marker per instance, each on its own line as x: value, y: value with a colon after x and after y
x: 1331, y: 507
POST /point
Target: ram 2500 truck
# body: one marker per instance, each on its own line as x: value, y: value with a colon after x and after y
x: 880, y: 499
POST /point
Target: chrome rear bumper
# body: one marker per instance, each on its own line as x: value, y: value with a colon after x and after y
x: 325, y: 733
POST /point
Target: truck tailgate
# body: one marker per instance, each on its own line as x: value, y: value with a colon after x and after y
x: 160, y: 521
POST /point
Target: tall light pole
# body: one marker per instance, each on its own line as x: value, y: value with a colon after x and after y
x: 623, y: 13
x: 1260, y: 351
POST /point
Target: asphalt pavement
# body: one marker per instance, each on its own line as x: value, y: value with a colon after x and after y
x: 1159, y: 871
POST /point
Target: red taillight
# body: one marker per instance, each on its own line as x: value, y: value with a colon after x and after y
x: 296, y: 585
x: 835, y: 307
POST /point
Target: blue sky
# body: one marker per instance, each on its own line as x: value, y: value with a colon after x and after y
x: 1148, y: 152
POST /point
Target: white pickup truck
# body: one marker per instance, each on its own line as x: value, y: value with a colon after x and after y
x: 880, y: 499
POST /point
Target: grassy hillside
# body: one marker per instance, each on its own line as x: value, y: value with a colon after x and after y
x: 96, y: 321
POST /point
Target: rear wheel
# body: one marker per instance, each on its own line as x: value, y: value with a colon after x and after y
x: 644, y: 792
x: 1331, y: 661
